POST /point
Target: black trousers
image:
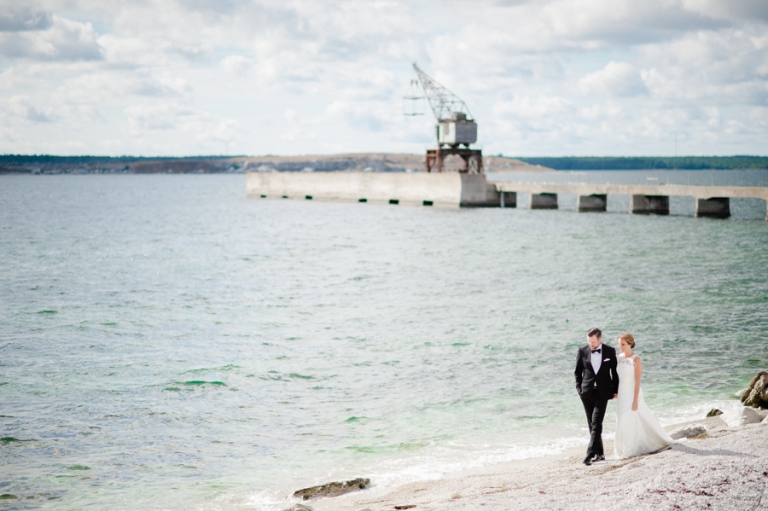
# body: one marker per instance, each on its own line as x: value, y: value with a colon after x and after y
x: 594, y: 407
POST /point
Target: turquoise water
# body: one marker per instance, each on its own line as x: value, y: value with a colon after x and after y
x: 168, y: 343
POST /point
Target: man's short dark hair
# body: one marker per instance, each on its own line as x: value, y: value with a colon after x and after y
x: 595, y: 332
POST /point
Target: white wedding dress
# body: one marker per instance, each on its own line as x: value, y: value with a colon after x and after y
x: 637, y: 432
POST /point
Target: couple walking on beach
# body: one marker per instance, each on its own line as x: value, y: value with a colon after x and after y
x: 602, y: 376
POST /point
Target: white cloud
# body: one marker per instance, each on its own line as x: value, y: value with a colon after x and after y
x: 237, y: 64
x: 146, y: 120
x: 16, y: 18
x: 63, y: 39
x: 22, y: 107
x: 616, y: 79
x: 541, y: 77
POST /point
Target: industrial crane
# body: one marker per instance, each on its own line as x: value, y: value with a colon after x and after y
x: 455, y: 127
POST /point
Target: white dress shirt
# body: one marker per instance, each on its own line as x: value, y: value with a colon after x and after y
x: 597, y: 358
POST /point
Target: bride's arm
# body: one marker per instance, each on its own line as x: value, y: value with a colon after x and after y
x: 638, y: 375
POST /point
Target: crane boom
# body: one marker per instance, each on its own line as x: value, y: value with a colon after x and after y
x: 442, y: 101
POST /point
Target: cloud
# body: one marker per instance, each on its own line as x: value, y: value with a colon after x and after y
x: 166, y: 116
x: 616, y: 79
x: 237, y: 64
x: 62, y: 40
x: 144, y: 119
x: 743, y: 10
x: 15, y: 18
x: 725, y: 67
x: 22, y: 107
x: 541, y: 77
x: 593, y: 23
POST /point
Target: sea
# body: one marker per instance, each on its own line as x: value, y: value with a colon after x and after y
x: 168, y: 343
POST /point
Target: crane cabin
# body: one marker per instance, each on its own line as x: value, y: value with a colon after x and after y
x: 457, y: 130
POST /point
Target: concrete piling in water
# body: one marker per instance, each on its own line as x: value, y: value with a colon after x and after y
x: 508, y: 199
x: 714, y: 207
x: 649, y: 205
x: 543, y: 201
x: 594, y: 202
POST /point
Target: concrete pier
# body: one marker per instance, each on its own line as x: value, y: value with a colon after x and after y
x: 508, y: 199
x: 649, y: 205
x: 449, y: 189
x: 715, y: 207
x: 666, y: 190
x: 594, y: 202
x: 543, y: 201
x: 443, y: 189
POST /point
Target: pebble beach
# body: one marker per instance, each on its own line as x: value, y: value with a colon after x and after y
x: 725, y: 468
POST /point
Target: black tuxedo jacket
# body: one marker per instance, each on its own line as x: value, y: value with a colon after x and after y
x: 606, y: 381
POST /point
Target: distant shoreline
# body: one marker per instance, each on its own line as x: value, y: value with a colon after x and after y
x: 352, y: 162
x: 371, y: 162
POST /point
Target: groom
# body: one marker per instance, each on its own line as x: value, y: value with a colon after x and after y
x: 597, y: 382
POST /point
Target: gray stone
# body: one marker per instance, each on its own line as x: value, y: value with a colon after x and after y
x: 688, y: 432
x: 332, y: 489
x: 757, y: 393
x: 742, y: 417
x: 714, y: 412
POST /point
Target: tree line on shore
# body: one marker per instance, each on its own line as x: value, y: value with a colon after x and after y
x: 35, y: 163
x: 650, y: 162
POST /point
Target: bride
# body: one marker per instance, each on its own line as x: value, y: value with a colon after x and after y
x: 637, y: 429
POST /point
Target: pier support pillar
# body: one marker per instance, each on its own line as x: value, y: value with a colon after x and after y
x: 715, y: 207
x: 508, y: 199
x: 594, y: 202
x: 650, y: 204
x: 543, y: 201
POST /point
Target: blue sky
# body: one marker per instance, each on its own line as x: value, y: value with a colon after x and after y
x: 560, y: 77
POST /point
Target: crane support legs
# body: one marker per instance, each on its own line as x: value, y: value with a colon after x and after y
x: 473, y: 159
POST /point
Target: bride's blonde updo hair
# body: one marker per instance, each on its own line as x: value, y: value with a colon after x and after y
x: 627, y: 337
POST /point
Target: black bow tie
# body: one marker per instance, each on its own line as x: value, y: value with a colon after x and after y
x: 597, y: 350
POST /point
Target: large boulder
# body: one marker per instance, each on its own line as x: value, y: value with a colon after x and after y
x: 332, y: 489
x: 742, y: 417
x: 757, y: 393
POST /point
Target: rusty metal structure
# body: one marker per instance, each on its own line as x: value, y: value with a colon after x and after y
x: 455, y: 128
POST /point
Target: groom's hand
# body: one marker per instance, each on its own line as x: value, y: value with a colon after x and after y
x: 615, y: 396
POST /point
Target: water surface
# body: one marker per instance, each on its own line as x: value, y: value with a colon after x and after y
x: 168, y: 343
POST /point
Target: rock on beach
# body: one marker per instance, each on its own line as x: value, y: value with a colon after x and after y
x: 688, y: 432
x: 742, y: 417
x: 332, y: 489
x: 756, y: 395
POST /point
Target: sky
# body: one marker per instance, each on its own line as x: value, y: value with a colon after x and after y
x: 248, y: 77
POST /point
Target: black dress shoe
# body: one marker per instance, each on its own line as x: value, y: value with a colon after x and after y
x: 598, y: 457
x: 588, y: 459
